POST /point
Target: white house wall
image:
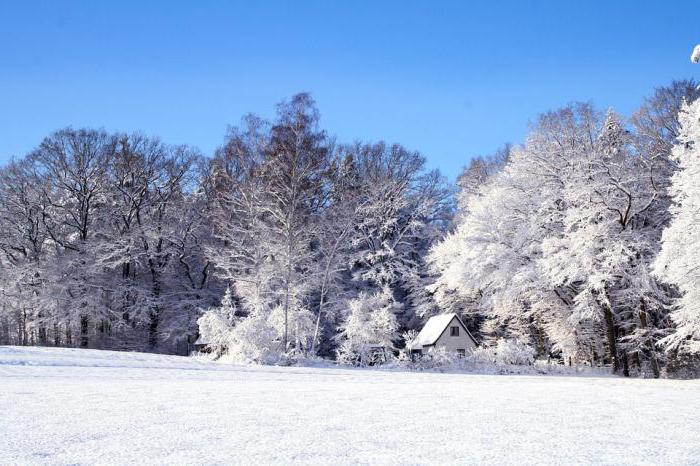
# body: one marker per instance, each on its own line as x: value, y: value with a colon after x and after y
x: 454, y: 343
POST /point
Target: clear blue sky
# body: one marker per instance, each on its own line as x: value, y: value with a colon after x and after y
x: 450, y: 79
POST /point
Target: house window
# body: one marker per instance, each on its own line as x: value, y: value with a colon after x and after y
x: 454, y: 331
x: 461, y: 352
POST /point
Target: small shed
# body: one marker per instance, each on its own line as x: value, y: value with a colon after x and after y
x: 374, y: 354
x: 201, y: 345
x: 444, y: 331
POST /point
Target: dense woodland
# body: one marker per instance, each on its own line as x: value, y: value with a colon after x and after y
x: 286, y: 244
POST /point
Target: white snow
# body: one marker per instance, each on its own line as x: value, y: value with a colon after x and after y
x: 695, y: 57
x: 64, y: 406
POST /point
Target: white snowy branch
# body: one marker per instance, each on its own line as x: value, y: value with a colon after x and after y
x: 695, y: 56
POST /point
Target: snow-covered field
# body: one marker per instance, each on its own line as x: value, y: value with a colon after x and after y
x: 63, y: 406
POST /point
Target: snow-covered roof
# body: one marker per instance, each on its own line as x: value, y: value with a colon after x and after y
x: 201, y: 341
x: 433, y: 328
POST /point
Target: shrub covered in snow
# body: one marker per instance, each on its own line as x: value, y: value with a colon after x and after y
x: 438, y: 359
x: 370, y: 325
x: 214, y: 332
x: 301, y: 326
x: 505, y: 352
x: 483, y: 359
x: 216, y: 326
x: 513, y: 358
x: 253, y: 339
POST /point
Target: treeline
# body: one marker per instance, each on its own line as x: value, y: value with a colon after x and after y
x: 286, y: 244
x: 556, y: 240
x: 121, y: 241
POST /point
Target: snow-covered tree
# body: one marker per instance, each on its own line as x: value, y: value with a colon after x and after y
x: 268, y: 188
x: 249, y: 339
x: 294, y: 169
x: 404, y: 209
x: 607, y: 241
x: 335, y: 248
x: 299, y: 246
x: 24, y: 242
x: 678, y: 260
x: 216, y: 325
x: 73, y: 165
x: 148, y: 235
x: 493, y: 257
x: 235, y: 192
x: 555, y: 249
x: 695, y: 56
x: 371, y: 322
x: 476, y: 174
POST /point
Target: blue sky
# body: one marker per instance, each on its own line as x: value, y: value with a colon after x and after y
x: 450, y: 79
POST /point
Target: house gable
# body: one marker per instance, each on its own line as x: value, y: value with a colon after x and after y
x: 455, y: 343
x: 435, y: 333
x: 467, y: 333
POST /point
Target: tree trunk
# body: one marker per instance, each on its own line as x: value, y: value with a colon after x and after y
x: 5, y: 331
x: 321, y: 303
x: 540, y: 339
x: 287, y: 291
x: 43, y: 339
x: 326, y: 278
x: 624, y: 357
x: 155, y: 312
x: 594, y: 355
x: 84, y: 338
x: 153, y: 329
x: 611, y: 334
x: 637, y: 360
x: 23, y: 328
x: 56, y: 335
x: 644, y: 323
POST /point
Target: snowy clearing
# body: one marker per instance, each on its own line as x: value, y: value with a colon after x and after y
x: 67, y: 406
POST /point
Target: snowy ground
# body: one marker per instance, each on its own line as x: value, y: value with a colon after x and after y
x: 62, y: 406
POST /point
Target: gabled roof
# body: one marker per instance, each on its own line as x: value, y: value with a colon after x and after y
x: 201, y: 341
x: 434, y: 328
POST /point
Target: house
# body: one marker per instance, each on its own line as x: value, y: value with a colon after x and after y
x: 444, y: 331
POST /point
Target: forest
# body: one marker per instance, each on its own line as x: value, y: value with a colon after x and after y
x: 580, y: 242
